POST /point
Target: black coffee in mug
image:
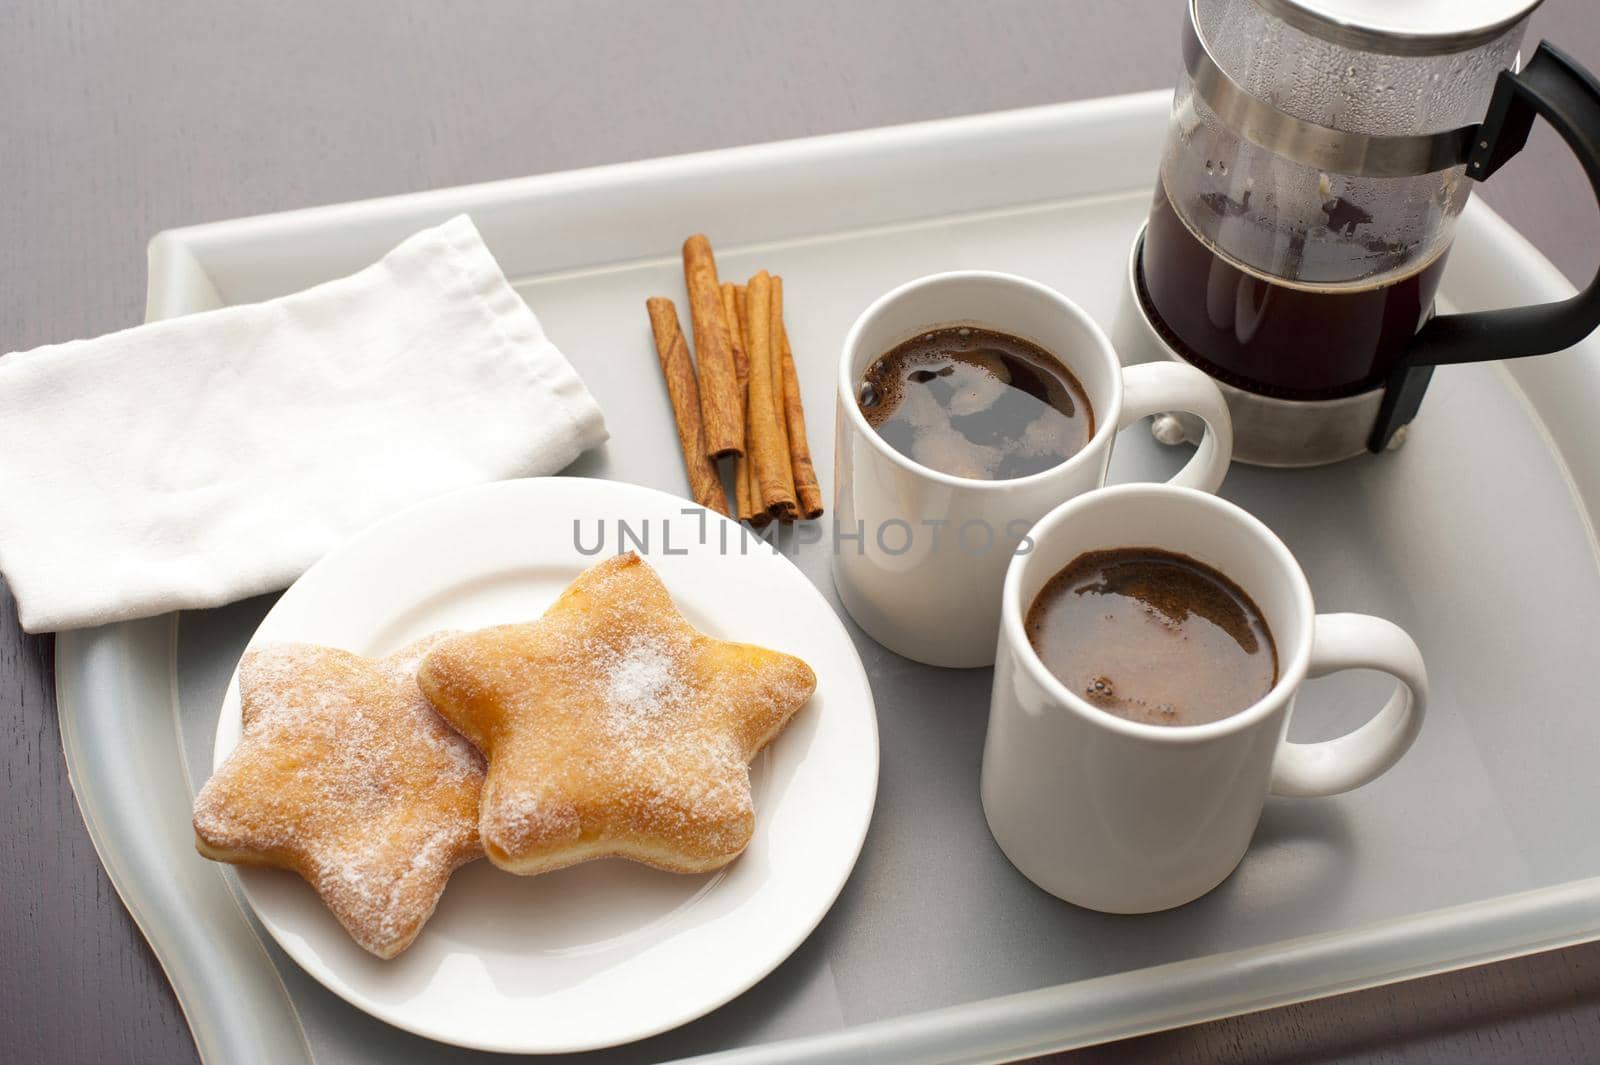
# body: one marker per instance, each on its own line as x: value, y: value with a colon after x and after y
x: 1153, y: 636
x: 976, y: 403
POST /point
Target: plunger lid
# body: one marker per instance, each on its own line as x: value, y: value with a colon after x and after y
x: 1411, y: 27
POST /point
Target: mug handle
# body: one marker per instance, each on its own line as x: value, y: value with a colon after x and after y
x: 1157, y: 387
x: 1357, y: 641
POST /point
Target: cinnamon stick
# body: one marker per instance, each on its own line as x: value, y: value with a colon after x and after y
x: 705, y: 486
x: 743, y: 508
x: 789, y: 509
x: 769, y: 450
x: 730, y: 316
x: 720, y: 410
x: 806, y: 488
x: 751, y: 509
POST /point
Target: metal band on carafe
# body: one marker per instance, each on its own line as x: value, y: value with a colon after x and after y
x: 1309, y: 143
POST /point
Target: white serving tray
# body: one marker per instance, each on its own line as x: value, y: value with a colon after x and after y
x: 1477, y: 536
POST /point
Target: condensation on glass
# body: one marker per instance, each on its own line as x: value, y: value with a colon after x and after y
x: 1303, y: 224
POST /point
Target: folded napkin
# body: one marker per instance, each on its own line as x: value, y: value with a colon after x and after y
x: 199, y: 460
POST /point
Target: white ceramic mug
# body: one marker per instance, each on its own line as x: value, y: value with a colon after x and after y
x: 921, y: 555
x: 1128, y: 817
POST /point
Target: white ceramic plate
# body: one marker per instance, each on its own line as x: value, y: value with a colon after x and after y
x: 610, y: 951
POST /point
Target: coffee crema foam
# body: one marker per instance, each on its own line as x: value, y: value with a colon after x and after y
x: 1153, y: 636
x: 976, y: 403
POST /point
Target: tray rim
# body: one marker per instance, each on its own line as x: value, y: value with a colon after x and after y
x: 97, y: 665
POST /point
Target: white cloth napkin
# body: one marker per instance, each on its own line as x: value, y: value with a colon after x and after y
x: 200, y: 460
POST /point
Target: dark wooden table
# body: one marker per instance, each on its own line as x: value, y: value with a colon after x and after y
x: 119, y: 119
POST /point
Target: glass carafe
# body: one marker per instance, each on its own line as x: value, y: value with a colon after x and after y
x: 1318, y: 156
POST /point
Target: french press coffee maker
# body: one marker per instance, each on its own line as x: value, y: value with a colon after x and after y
x: 1318, y: 155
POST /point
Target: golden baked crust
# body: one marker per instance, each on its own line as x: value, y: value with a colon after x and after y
x: 345, y: 775
x: 612, y: 727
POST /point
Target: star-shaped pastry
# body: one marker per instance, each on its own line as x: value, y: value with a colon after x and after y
x: 345, y: 775
x: 613, y: 727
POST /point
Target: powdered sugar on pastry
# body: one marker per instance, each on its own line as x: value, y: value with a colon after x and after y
x: 643, y: 682
x: 345, y: 775
x: 613, y: 727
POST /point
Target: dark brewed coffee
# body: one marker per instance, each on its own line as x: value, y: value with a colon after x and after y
x: 976, y: 403
x: 1268, y: 336
x: 1153, y: 636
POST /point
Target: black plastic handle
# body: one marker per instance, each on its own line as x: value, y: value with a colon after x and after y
x: 1552, y: 85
